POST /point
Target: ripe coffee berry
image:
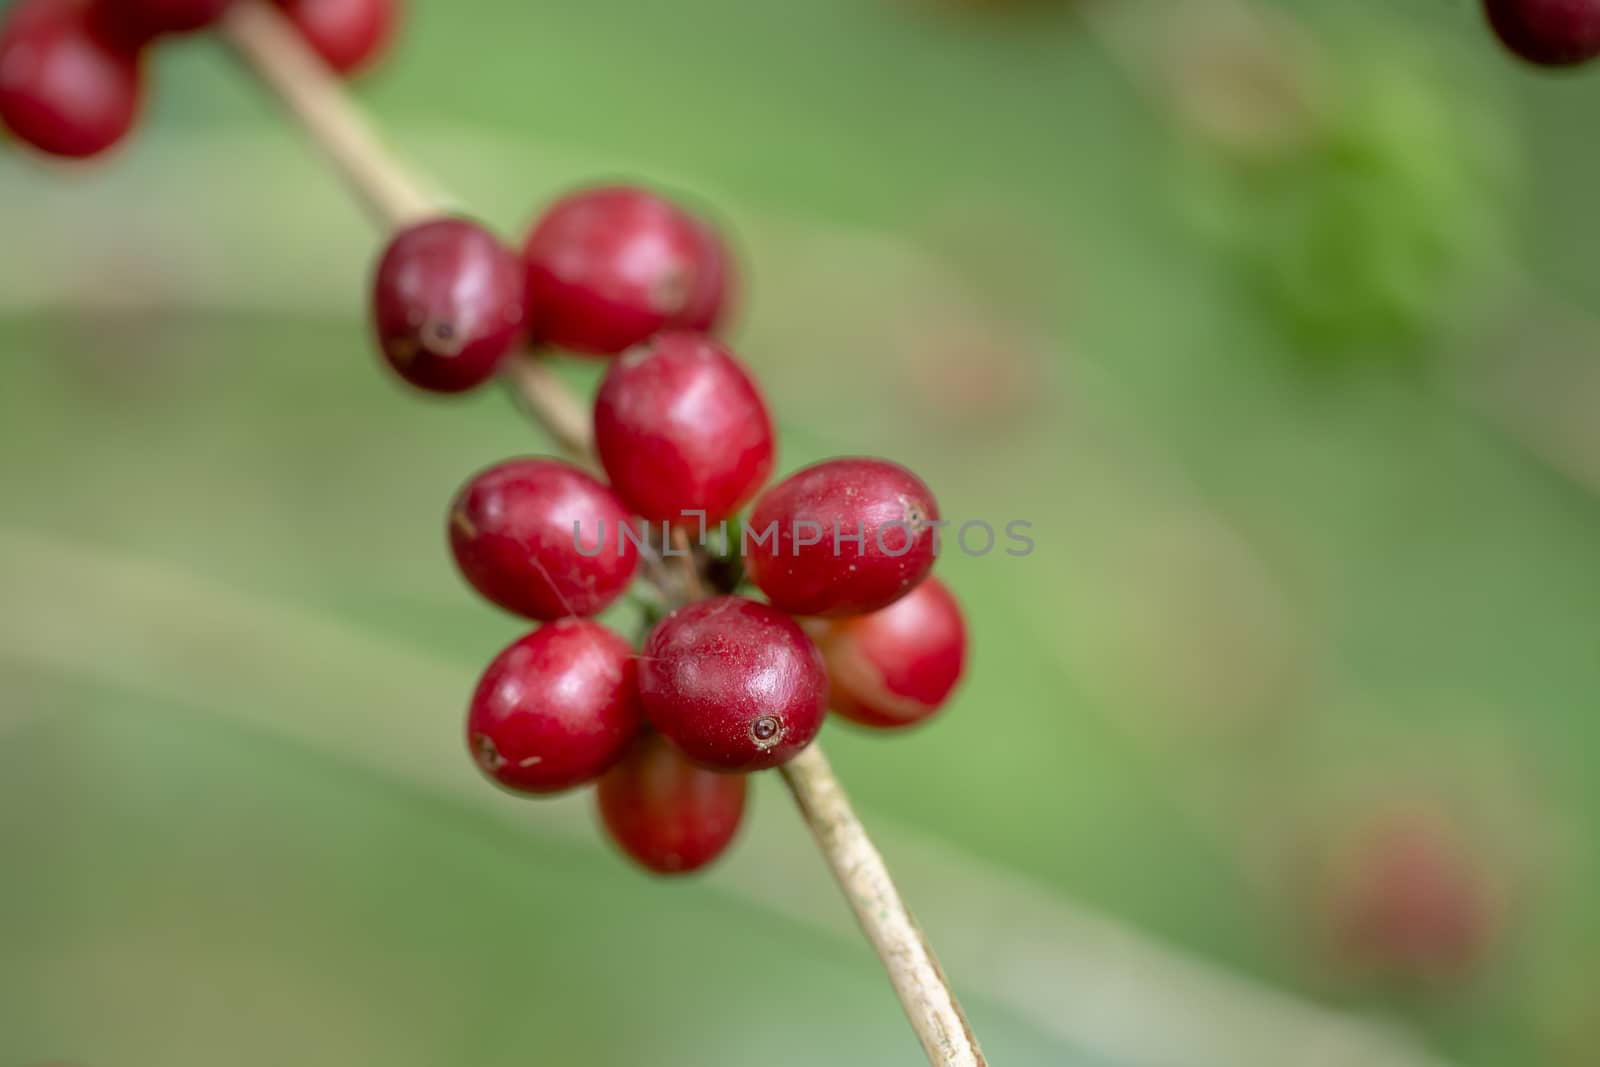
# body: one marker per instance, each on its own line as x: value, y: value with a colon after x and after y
x: 348, y: 34
x: 1550, y: 33
x: 735, y: 684
x: 609, y: 267
x: 896, y: 667
x: 680, y: 426
x: 447, y: 304
x: 542, y: 539
x: 148, y: 18
x: 669, y: 815
x: 555, y: 709
x: 843, y: 537
x: 69, y: 84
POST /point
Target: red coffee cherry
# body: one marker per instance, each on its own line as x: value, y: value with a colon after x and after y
x: 555, y: 709
x: 69, y: 85
x: 667, y: 814
x: 150, y: 18
x: 735, y: 684
x: 608, y: 267
x: 896, y: 667
x: 843, y: 537
x: 348, y: 34
x: 679, y: 425
x: 447, y: 304
x: 1549, y: 33
x: 512, y: 529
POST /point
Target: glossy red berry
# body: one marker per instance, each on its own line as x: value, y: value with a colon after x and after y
x: 149, y: 18
x: 843, y: 537
x: 68, y: 85
x: 609, y: 267
x: 735, y: 684
x: 669, y: 815
x: 349, y: 35
x: 556, y: 708
x: 1550, y: 33
x: 679, y: 426
x: 542, y: 539
x: 897, y: 666
x: 447, y: 304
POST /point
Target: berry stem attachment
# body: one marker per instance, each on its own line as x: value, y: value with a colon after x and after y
x: 686, y: 553
x: 395, y: 197
x: 860, y: 870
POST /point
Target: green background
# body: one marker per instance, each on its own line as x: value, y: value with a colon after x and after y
x: 1297, y: 386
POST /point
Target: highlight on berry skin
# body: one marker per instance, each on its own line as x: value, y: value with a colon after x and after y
x: 681, y: 426
x: 447, y: 304
x: 70, y: 81
x: 842, y: 537
x: 556, y: 709
x: 1547, y: 33
x: 664, y: 812
x: 898, y: 666
x: 734, y: 683
x: 542, y: 539
x: 608, y: 267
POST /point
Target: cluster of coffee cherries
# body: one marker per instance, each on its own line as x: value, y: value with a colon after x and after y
x: 824, y: 588
x: 72, y: 71
x: 1549, y: 33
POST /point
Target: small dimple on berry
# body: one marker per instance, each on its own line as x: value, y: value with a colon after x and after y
x: 447, y: 305
x: 734, y: 683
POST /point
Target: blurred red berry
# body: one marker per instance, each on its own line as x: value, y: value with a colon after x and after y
x: 897, y: 666
x: 349, y: 35
x: 609, y: 267
x: 69, y: 85
x: 735, y: 684
x: 680, y: 425
x: 542, y: 539
x: 1549, y: 33
x: 447, y: 304
x: 1411, y: 900
x: 669, y: 815
x: 555, y: 709
x: 149, y: 18
x: 843, y: 537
